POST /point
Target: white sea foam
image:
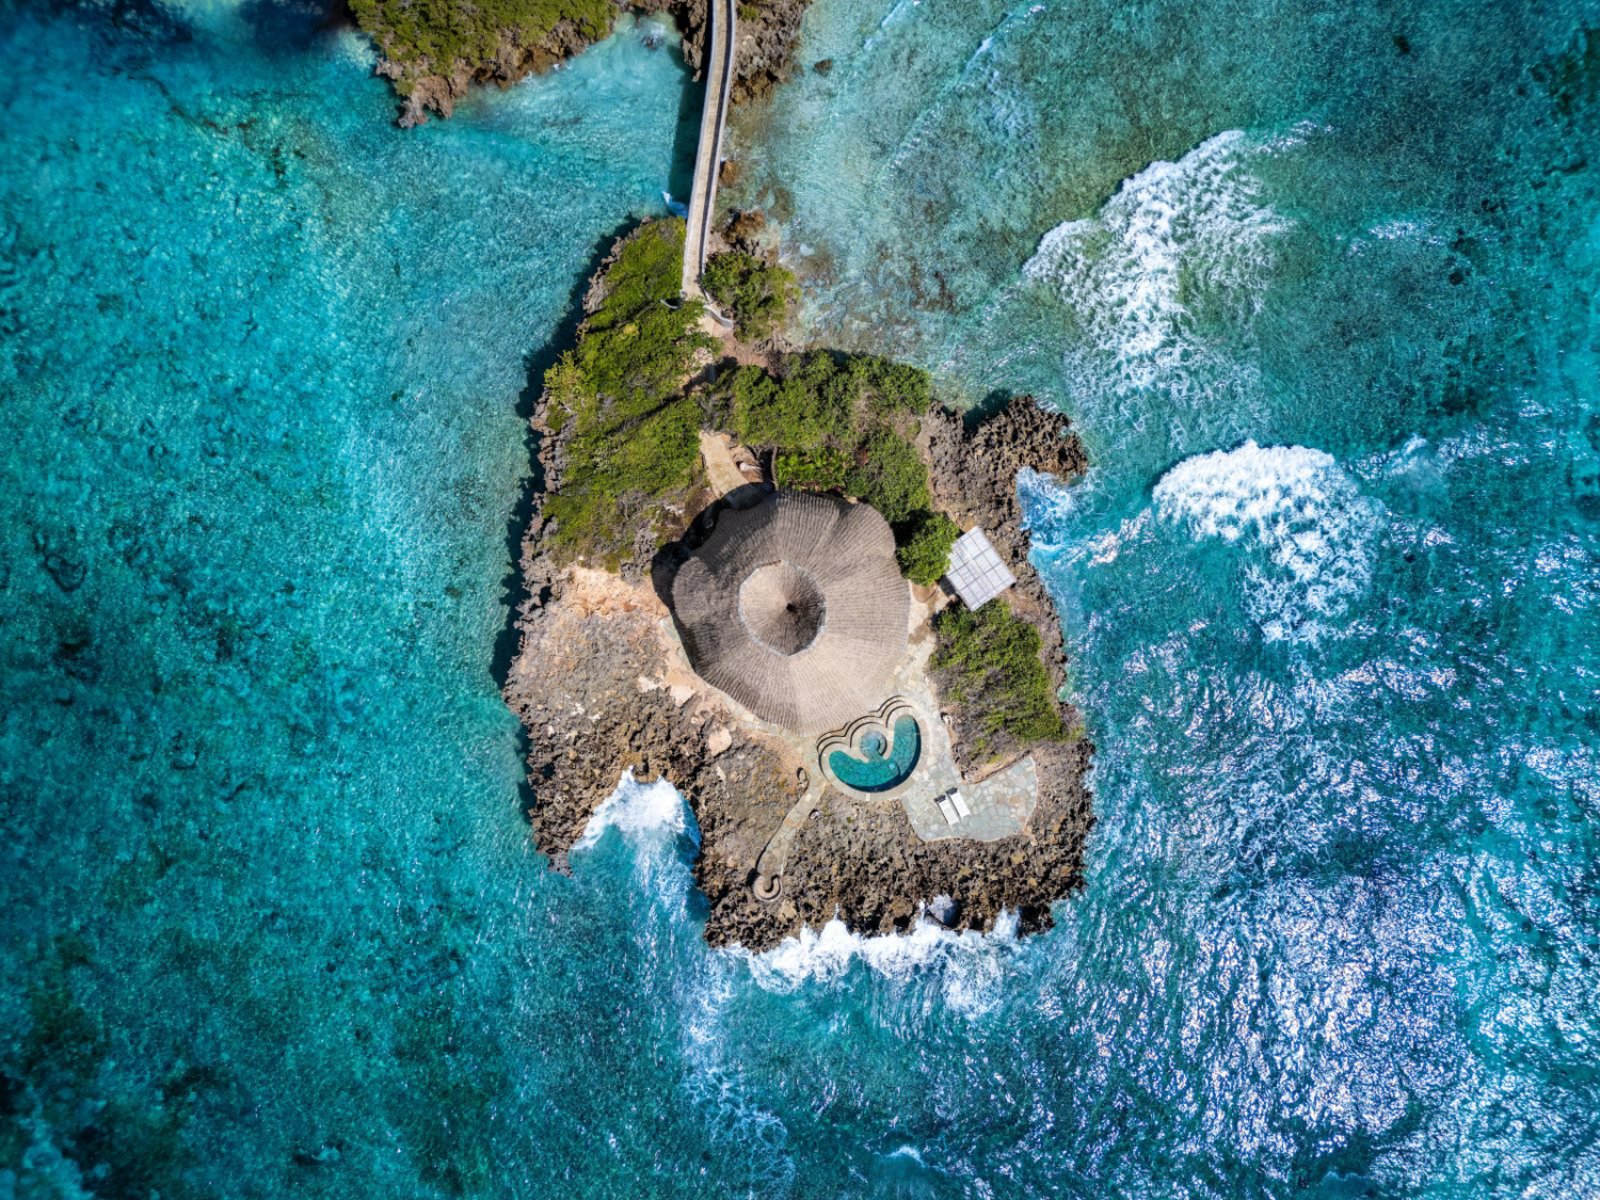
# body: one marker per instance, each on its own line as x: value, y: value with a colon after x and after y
x: 651, y: 813
x: 971, y: 965
x: 1405, y: 229
x: 1174, y: 234
x: 1045, y: 501
x: 1316, y: 528
x: 1301, y: 133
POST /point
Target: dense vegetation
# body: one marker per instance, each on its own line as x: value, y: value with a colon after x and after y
x: 843, y: 424
x: 755, y: 293
x: 925, y: 552
x: 890, y: 475
x: 988, y: 663
x: 433, y: 34
x: 821, y: 470
x: 626, y: 437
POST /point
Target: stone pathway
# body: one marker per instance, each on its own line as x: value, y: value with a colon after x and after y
x: 769, y: 867
x: 722, y: 473
x: 708, y: 158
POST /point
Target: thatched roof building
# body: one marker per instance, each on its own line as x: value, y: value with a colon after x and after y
x: 797, y: 609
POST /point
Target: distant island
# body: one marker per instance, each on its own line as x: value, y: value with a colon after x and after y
x: 434, y: 53
x: 740, y: 577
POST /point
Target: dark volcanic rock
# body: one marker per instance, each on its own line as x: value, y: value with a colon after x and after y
x: 765, y: 49
x: 974, y: 477
x: 588, y: 685
x: 861, y: 862
x: 744, y: 230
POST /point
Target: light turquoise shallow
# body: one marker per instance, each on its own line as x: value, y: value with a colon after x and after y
x: 893, y: 761
x: 273, y: 922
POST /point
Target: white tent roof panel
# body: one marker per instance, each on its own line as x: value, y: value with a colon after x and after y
x: 976, y: 572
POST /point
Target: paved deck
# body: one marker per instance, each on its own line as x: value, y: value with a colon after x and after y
x: 1001, y: 804
x: 713, y: 120
x: 722, y: 473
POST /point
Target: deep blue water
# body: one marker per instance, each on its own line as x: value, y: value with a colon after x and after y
x: 1318, y: 285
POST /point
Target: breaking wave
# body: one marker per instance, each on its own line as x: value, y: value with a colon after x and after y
x: 1179, y: 245
x: 651, y: 821
x: 642, y: 812
x: 1296, y: 504
x: 971, y: 966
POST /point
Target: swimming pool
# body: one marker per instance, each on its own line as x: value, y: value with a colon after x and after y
x: 880, y: 765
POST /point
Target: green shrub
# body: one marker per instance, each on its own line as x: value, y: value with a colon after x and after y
x: 810, y: 406
x: 758, y: 295
x: 925, y: 552
x: 819, y: 398
x: 988, y: 663
x: 434, y: 34
x: 840, y: 423
x: 820, y: 470
x: 646, y: 269
x: 890, y: 475
x: 891, y: 387
x: 627, y: 439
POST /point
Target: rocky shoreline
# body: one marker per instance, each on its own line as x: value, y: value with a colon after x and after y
x: 764, y: 53
x: 974, y: 469
x: 601, y: 686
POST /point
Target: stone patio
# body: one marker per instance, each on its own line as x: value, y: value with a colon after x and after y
x: 1001, y: 802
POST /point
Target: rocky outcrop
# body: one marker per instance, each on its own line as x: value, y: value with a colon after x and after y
x: 595, y: 688
x: 744, y: 231
x: 428, y: 91
x: 599, y: 689
x: 765, y: 50
x: 975, y: 466
x: 974, y: 471
x: 860, y: 861
x: 764, y: 54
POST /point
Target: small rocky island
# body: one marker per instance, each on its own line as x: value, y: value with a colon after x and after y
x: 794, y: 585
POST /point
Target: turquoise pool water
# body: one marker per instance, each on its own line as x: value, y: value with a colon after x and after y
x: 882, y: 763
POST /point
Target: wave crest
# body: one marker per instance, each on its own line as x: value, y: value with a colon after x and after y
x: 1179, y: 245
x: 970, y: 964
x: 652, y: 813
x: 1299, y: 506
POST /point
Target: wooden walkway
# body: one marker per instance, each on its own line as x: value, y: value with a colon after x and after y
x: 713, y: 119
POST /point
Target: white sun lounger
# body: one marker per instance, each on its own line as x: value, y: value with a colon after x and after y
x: 947, y: 810
x: 960, y: 804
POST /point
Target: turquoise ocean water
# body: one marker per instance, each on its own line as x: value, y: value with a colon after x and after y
x: 1318, y: 285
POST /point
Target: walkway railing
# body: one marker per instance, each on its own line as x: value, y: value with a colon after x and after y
x: 708, y: 158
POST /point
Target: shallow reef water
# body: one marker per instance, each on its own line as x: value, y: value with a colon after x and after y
x: 1318, y: 286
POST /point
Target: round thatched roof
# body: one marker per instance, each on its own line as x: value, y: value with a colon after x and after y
x: 796, y: 609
